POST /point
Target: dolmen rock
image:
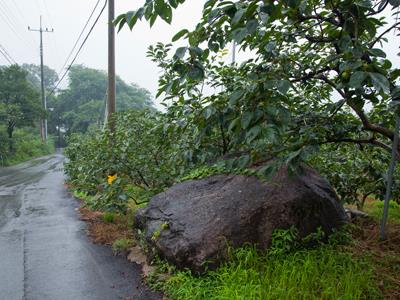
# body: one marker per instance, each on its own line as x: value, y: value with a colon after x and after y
x: 192, y: 224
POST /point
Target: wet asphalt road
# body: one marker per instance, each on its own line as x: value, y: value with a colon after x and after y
x: 44, y: 251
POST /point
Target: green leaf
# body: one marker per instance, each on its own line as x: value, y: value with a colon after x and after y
x: 380, y: 82
x: 132, y: 22
x: 239, y: 34
x: 208, y: 112
x: 173, y: 3
x: 264, y: 17
x: 153, y: 19
x: 194, y: 50
x: 377, y: 52
x: 252, y: 26
x: 236, y: 95
x: 148, y: 12
x: 396, y: 93
x: 394, y: 3
x: 195, y: 73
x: 253, y: 133
x: 364, y: 3
x: 270, y: 46
x: 180, y: 52
x: 247, y: 118
x: 164, y: 10
x: 268, y: 171
x: 234, y: 124
x: 180, y: 34
x: 357, y: 79
x: 283, y: 86
x: 167, y: 15
x: 238, y: 16
x: 243, y: 161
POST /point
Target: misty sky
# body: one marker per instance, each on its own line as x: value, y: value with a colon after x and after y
x: 68, y: 17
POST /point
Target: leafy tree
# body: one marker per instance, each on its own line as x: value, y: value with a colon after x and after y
x: 317, y: 75
x: 19, y: 101
x: 50, y: 76
x: 82, y: 104
x: 140, y: 158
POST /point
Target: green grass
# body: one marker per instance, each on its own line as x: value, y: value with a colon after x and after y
x: 321, y: 273
x: 122, y: 245
x: 375, y: 209
x: 26, y: 145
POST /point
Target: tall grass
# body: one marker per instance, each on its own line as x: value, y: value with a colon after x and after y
x: 375, y: 209
x: 321, y: 273
x: 26, y: 145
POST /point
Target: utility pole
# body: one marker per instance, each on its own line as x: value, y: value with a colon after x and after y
x: 233, y: 52
x: 389, y: 178
x: 111, y: 65
x: 43, y: 121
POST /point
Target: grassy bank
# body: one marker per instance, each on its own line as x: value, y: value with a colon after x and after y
x: 25, y: 145
x: 322, y: 273
x: 364, y: 268
x: 355, y: 264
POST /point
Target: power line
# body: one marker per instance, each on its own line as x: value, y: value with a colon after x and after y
x: 80, y: 49
x: 9, y: 22
x: 22, y: 19
x: 7, y: 55
x: 79, y: 37
x: 53, y: 40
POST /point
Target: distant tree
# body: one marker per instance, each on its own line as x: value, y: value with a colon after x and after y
x: 82, y: 104
x: 33, y: 76
x: 19, y: 101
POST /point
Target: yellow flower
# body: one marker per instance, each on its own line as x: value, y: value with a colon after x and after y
x: 111, y: 179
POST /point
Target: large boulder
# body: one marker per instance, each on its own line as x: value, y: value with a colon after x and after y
x: 192, y: 223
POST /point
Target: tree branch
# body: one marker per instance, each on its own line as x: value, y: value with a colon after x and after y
x: 360, y: 113
x: 371, y: 45
x: 371, y: 141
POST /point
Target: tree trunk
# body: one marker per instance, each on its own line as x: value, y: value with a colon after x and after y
x: 10, y: 130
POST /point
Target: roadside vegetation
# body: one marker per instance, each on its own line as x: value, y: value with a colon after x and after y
x: 20, y: 111
x: 318, y: 89
x: 26, y: 144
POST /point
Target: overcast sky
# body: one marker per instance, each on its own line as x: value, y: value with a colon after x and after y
x: 68, y: 17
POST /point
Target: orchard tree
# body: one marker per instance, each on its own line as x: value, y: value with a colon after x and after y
x: 317, y: 75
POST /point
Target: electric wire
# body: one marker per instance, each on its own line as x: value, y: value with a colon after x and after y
x: 12, y: 26
x: 5, y: 52
x: 5, y: 56
x: 79, y: 37
x: 53, y: 39
x: 80, y: 48
x: 22, y: 18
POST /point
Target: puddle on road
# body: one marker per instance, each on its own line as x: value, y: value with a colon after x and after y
x: 37, y: 211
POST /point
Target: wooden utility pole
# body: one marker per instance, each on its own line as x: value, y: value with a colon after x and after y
x: 43, y: 121
x: 389, y: 179
x: 111, y: 64
x: 233, y: 52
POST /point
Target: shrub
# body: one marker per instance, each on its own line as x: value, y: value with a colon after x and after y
x: 26, y: 144
x: 122, y: 245
x: 133, y: 164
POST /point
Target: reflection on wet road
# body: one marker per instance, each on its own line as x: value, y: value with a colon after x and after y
x: 44, y: 252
